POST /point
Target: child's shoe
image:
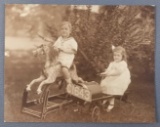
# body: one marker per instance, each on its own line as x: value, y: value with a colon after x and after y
x: 110, y: 107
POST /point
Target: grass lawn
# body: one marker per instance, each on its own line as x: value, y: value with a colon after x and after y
x: 19, y: 71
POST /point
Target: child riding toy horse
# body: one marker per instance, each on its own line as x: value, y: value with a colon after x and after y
x: 52, y: 69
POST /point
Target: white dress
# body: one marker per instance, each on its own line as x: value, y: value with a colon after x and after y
x: 69, y: 44
x: 116, y: 85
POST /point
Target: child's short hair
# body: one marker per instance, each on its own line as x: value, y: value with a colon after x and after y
x: 121, y: 50
x: 67, y: 23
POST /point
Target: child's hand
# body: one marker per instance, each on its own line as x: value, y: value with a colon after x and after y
x: 103, y: 74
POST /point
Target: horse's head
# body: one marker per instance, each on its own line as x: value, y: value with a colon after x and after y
x: 46, y: 50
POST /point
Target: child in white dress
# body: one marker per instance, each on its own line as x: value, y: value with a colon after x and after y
x: 116, y: 77
x: 67, y: 47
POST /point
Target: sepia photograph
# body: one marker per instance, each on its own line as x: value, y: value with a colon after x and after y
x: 79, y: 63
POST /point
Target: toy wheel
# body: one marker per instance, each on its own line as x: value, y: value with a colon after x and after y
x: 95, y: 113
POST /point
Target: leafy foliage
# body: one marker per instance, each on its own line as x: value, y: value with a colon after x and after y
x: 129, y: 26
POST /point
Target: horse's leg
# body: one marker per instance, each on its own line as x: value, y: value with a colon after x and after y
x: 41, y: 78
x: 47, y: 81
x: 52, y: 76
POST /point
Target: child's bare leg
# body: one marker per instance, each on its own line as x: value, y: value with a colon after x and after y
x: 111, y: 104
x: 66, y: 75
x: 41, y: 78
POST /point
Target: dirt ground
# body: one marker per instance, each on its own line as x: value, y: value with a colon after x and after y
x: 21, y: 70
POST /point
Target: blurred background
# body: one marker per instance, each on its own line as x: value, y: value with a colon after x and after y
x: 95, y: 28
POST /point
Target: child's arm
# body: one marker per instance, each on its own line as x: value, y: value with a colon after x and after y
x: 105, y: 73
x: 119, y: 70
x: 102, y: 74
x: 56, y: 45
x: 113, y: 73
x: 71, y: 48
x: 68, y: 50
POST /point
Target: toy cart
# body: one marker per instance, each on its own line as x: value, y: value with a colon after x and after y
x: 89, y: 98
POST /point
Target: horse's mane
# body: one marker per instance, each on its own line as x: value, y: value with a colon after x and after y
x: 52, y: 53
x: 49, y: 52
